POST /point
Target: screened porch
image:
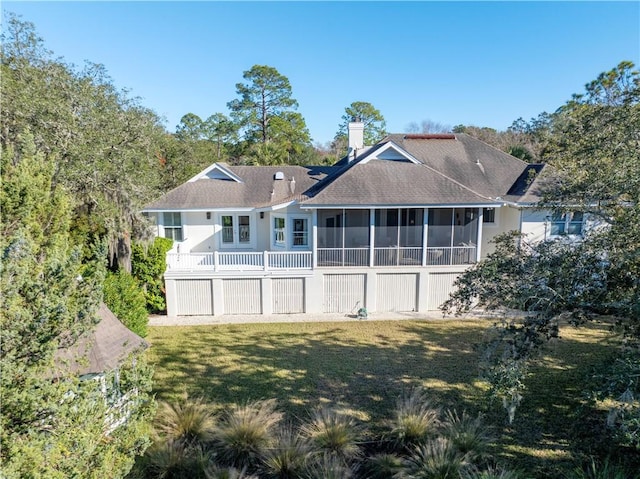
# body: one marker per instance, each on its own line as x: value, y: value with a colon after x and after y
x: 398, y: 237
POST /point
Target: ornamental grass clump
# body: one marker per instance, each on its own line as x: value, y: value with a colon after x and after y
x: 468, y: 434
x: 189, y: 422
x: 288, y: 456
x: 169, y: 459
x: 245, y: 432
x: 328, y: 466
x: 382, y: 466
x: 333, y: 434
x: 216, y: 472
x: 414, y: 421
x: 491, y: 472
x: 437, y: 459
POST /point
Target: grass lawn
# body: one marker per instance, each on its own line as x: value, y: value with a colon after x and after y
x: 363, y: 366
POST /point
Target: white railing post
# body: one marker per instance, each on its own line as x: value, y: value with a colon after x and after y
x: 266, y: 260
x: 216, y: 260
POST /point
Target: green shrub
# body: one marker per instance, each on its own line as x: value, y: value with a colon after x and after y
x: 123, y: 296
x: 148, y: 266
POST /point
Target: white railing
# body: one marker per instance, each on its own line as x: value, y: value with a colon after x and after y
x: 240, y: 261
x: 327, y: 257
x: 394, y: 256
x: 451, y: 255
x: 397, y: 256
x: 343, y: 256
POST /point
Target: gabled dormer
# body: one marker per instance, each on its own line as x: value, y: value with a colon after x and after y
x: 217, y: 171
x: 388, y: 151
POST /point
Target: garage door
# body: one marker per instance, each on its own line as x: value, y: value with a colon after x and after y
x: 288, y: 295
x: 194, y: 297
x: 397, y: 292
x: 344, y: 293
x: 242, y: 296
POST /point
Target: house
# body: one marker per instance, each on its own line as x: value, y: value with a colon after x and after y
x: 389, y: 227
x: 97, y: 355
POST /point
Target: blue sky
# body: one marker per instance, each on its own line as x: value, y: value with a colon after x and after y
x: 472, y: 63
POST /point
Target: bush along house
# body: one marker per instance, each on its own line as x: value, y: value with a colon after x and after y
x: 388, y: 228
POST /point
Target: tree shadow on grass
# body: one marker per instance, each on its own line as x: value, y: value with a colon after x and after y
x: 363, y: 367
x: 305, y: 366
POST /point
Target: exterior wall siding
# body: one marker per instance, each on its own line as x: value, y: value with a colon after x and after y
x: 194, y: 297
x: 242, y: 296
x: 440, y: 286
x: 288, y: 295
x: 344, y: 293
x: 320, y: 291
x: 397, y: 292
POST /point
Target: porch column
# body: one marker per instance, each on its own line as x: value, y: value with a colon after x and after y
x: 372, y: 227
x: 267, y: 291
x: 425, y: 235
x: 171, y: 296
x: 217, y: 286
x: 479, y: 239
x: 314, y: 238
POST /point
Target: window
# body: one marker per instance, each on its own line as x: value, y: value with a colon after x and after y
x: 300, y: 232
x: 245, y: 230
x: 279, y: 231
x: 566, y: 224
x: 173, y: 226
x: 227, y: 229
x: 240, y: 236
x: 489, y: 216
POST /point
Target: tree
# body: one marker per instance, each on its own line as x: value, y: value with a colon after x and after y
x: 103, y: 141
x: 266, y: 94
x: 190, y: 128
x: 273, y: 132
x: 374, y: 123
x: 219, y: 129
x: 53, y: 424
x: 593, y: 149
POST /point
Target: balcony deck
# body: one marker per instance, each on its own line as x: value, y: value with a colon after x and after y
x: 326, y: 258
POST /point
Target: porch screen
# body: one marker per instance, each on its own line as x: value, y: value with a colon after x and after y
x: 452, y: 227
x: 343, y: 228
x: 399, y: 227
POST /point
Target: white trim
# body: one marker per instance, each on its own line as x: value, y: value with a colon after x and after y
x: 389, y: 145
x: 216, y: 166
x: 383, y: 206
x: 236, y: 243
x: 292, y: 232
x: 273, y: 230
x: 279, y: 206
x: 200, y: 210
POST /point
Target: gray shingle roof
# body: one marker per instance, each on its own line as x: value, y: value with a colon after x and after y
x: 255, y: 191
x: 454, y: 169
x: 471, y: 162
x: 393, y: 183
x: 102, y: 349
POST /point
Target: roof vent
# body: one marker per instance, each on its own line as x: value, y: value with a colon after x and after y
x: 430, y: 136
x: 279, y: 175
